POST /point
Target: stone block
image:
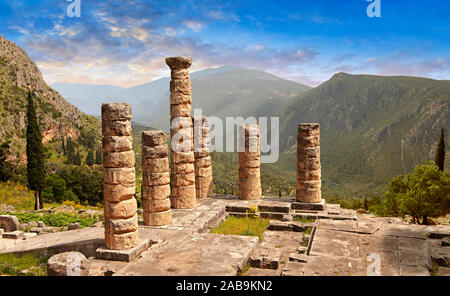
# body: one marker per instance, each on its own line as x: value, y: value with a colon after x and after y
x: 17, y: 234
x: 68, y: 264
x: 125, y: 159
x: 119, y: 176
x: 177, y: 63
x: 158, y: 218
x: 156, y: 165
x: 266, y: 258
x: 182, y: 179
x: 309, y: 141
x: 184, y: 202
x: 9, y: 223
x: 180, y: 98
x: 120, y: 210
x: 203, y: 172
x: 203, y: 162
x: 183, y: 168
x: 153, y: 138
x: 116, y: 111
x: 118, y: 226
x: 117, y: 128
x: 180, y: 110
x: 160, y: 151
x: 116, y: 193
x: 296, y: 257
x: 183, y: 157
x: 156, y: 179
x: 157, y: 192
x: 156, y: 205
x: 127, y: 255
x: 122, y: 241
x: 117, y: 143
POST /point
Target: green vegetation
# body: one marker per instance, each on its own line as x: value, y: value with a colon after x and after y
x: 242, y: 226
x: 35, y: 154
x: 420, y: 194
x: 16, y: 195
x: 303, y: 220
x: 56, y: 219
x: 23, y: 265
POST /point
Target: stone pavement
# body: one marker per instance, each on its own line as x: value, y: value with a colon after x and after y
x: 338, y: 242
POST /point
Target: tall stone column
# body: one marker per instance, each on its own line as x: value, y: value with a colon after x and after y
x: 121, y: 221
x: 182, y: 171
x: 155, y: 179
x: 308, y: 163
x: 203, y: 163
x: 249, y: 163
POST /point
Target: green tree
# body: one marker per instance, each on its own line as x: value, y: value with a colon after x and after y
x: 77, y: 158
x: 6, y: 168
x: 70, y: 150
x: 98, y: 156
x: 63, y: 146
x: 90, y: 158
x: 55, y: 188
x: 421, y: 194
x: 86, y: 183
x: 35, y: 154
x: 440, y: 153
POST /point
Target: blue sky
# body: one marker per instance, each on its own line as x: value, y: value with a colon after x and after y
x: 125, y: 42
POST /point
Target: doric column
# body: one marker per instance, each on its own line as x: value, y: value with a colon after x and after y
x: 182, y: 171
x: 249, y: 163
x: 203, y: 163
x: 121, y: 221
x: 155, y: 179
x: 308, y: 163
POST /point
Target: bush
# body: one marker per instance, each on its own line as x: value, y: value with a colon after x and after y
x: 423, y: 193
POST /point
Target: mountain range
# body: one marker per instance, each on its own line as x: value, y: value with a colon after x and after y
x: 57, y: 117
x: 372, y: 127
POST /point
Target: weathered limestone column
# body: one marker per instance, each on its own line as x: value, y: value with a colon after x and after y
x: 182, y: 171
x: 121, y: 221
x: 249, y: 163
x: 308, y: 163
x: 203, y: 163
x: 155, y: 179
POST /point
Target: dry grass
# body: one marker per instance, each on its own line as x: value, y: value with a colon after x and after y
x: 242, y: 226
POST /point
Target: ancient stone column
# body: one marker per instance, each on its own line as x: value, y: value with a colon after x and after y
x: 249, y: 163
x: 203, y: 163
x: 155, y: 179
x: 121, y: 221
x: 182, y: 171
x: 308, y: 163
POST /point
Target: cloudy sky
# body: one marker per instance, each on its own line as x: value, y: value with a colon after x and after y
x: 125, y: 42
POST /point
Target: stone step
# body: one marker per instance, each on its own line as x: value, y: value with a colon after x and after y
x: 265, y: 215
x: 262, y: 207
x: 265, y: 258
x: 280, y: 225
x: 260, y: 272
x: 308, y: 206
x: 18, y: 234
x: 293, y: 268
x: 302, y: 250
x: 298, y: 257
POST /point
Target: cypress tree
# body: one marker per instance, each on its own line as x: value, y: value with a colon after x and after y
x: 440, y: 153
x: 63, y: 146
x: 90, y: 158
x: 35, y: 154
x: 70, y: 150
x: 77, y: 159
x: 98, y: 156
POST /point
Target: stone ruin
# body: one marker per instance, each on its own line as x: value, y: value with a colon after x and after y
x: 249, y: 163
x: 155, y: 179
x: 189, y: 175
x: 203, y: 162
x: 120, y: 206
x: 182, y: 170
x: 308, y: 188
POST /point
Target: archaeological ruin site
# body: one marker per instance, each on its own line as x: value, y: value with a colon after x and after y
x: 171, y: 234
